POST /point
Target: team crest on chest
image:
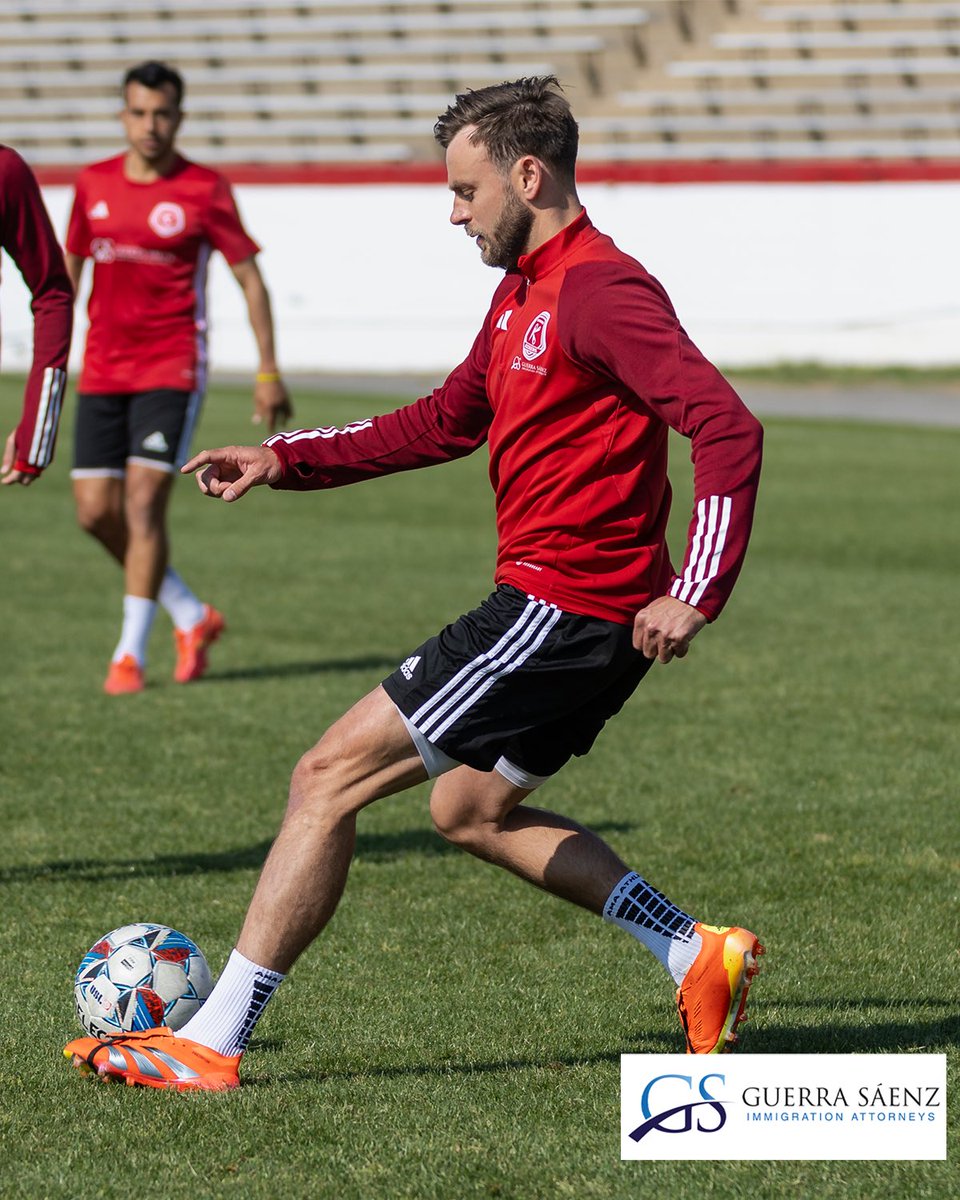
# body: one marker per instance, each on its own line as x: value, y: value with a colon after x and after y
x: 535, y: 339
x: 167, y: 219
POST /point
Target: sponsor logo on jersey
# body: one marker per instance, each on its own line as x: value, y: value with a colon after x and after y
x: 530, y: 368
x: 504, y: 318
x: 155, y: 441
x: 167, y: 219
x: 102, y: 250
x: 106, y: 250
x: 99, y: 212
x: 409, y: 665
x: 535, y: 339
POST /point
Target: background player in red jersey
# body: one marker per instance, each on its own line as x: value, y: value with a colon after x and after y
x: 579, y: 369
x: 149, y: 219
x: 27, y: 236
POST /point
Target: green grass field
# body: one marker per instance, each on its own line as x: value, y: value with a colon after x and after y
x: 455, y: 1033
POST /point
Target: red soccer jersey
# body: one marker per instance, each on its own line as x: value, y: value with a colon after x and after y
x: 150, y: 244
x: 27, y: 236
x: 579, y: 369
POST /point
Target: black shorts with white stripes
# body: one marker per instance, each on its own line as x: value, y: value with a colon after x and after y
x: 153, y: 428
x: 517, y: 678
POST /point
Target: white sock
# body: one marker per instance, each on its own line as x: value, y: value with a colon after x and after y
x: 653, y: 920
x: 138, y: 614
x: 226, y: 1018
x: 183, y: 606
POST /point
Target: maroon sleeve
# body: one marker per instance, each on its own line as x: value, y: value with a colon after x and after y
x: 449, y: 423
x: 223, y: 225
x: 28, y: 237
x: 617, y: 320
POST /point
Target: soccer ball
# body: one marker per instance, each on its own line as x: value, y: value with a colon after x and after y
x: 138, y: 977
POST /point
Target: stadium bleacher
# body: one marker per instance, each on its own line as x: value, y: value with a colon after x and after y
x: 303, y: 81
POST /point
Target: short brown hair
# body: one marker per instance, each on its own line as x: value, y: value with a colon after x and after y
x: 155, y: 75
x: 526, y: 116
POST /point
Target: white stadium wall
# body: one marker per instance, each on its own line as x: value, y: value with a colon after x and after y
x: 372, y: 278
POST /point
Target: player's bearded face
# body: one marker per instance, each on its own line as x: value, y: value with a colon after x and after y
x: 511, y: 233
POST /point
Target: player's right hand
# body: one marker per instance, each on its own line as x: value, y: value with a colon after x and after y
x: 8, y: 472
x: 231, y: 471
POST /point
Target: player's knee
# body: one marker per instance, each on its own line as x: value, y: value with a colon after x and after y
x: 96, y: 520
x: 144, y: 518
x: 312, y: 781
x: 455, y: 817
x: 323, y: 777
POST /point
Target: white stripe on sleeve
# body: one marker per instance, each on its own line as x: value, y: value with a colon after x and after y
x: 709, y: 539
x: 326, y: 431
x: 48, y: 417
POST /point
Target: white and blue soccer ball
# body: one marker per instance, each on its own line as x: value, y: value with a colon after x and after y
x: 138, y: 977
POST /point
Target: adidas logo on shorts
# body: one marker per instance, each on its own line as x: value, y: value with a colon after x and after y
x: 409, y: 665
x: 156, y: 442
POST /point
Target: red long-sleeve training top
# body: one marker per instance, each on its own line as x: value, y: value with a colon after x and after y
x: 27, y: 236
x: 579, y: 369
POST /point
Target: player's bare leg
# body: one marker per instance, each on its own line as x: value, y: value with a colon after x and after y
x: 146, y: 499
x: 712, y: 967
x: 148, y: 574
x: 99, y: 504
x: 482, y: 812
x: 366, y: 755
x: 128, y: 517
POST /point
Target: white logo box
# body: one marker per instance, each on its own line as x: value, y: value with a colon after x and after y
x: 783, y: 1106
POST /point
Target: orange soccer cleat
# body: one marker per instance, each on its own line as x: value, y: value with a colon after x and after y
x: 155, y: 1058
x: 712, y: 999
x: 125, y: 675
x: 192, y: 646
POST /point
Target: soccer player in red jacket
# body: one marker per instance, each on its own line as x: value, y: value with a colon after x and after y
x: 150, y: 219
x: 27, y: 236
x: 580, y: 368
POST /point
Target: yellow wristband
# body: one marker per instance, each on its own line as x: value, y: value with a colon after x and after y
x: 268, y: 377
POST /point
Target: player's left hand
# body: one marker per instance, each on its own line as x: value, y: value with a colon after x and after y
x: 271, y: 404
x: 666, y: 627
x: 7, y: 473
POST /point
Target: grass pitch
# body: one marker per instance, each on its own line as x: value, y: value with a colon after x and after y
x: 455, y: 1033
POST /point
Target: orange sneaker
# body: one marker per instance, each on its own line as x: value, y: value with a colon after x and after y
x: 125, y: 675
x: 192, y: 645
x: 155, y: 1058
x: 712, y: 999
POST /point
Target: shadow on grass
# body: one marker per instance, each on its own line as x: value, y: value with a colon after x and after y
x: 826, y: 1003
x: 371, y: 847
x: 499, y: 1066
x: 886, y: 1036
x: 880, y: 1037
x: 290, y: 669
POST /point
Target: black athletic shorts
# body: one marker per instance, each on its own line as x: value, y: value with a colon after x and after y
x: 517, y: 680
x: 152, y: 428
